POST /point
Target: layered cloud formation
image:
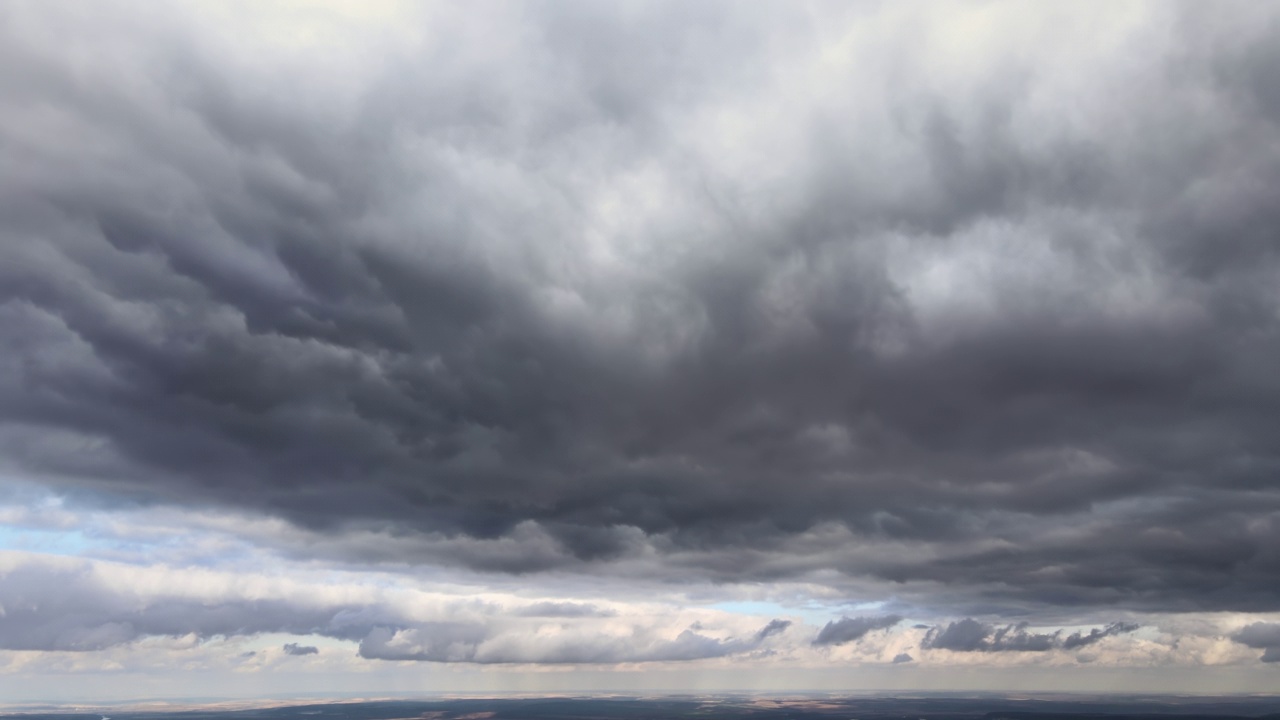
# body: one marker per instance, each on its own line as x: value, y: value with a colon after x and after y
x: 67, y: 605
x: 969, y: 635
x: 963, y: 313
x: 74, y: 605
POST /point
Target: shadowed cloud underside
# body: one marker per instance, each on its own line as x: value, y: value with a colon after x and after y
x: 964, y: 313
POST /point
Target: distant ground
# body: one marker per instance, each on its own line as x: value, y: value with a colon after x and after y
x: 720, y: 707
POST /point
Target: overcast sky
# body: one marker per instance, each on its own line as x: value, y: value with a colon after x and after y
x: 531, y: 346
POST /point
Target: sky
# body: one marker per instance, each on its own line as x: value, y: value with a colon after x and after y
x: 574, y: 346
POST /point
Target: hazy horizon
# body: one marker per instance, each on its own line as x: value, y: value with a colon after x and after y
x: 703, y: 706
x: 564, y: 346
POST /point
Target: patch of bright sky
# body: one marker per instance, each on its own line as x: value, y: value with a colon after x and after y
x: 277, y: 641
x: 810, y: 613
x: 34, y: 520
x: 54, y: 542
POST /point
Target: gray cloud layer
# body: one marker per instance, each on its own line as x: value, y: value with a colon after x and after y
x: 1077, y: 640
x: 59, y: 604
x: 69, y: 609
x: 659, y: 281
x: 969, y: 635
x: 74, y: 606
x: 1264, y: 636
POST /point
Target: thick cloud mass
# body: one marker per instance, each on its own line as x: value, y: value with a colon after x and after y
x: 72, y: 608
x: 735, y: 292
x: 1264, y: 636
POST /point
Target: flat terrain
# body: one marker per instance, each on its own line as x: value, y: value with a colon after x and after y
x: 707, y: 708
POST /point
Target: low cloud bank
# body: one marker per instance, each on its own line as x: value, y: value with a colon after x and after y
x: 59, y: 604
x: 1263, y: 636
x: 969, y: 635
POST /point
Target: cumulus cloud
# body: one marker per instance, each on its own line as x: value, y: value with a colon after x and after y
x: 969, y: 635
x: 1263, y: 636
x: 965, y: 635
x: 1077, y: 640
x: 774, y: 627
x: 847, y: 629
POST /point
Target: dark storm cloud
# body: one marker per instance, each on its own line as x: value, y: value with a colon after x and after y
x: 901, y: 658
x: 553, y: 292
x: 1263, y: 636
x: 847, y: 629
x: 296, y: 649
x: 969, y: 635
